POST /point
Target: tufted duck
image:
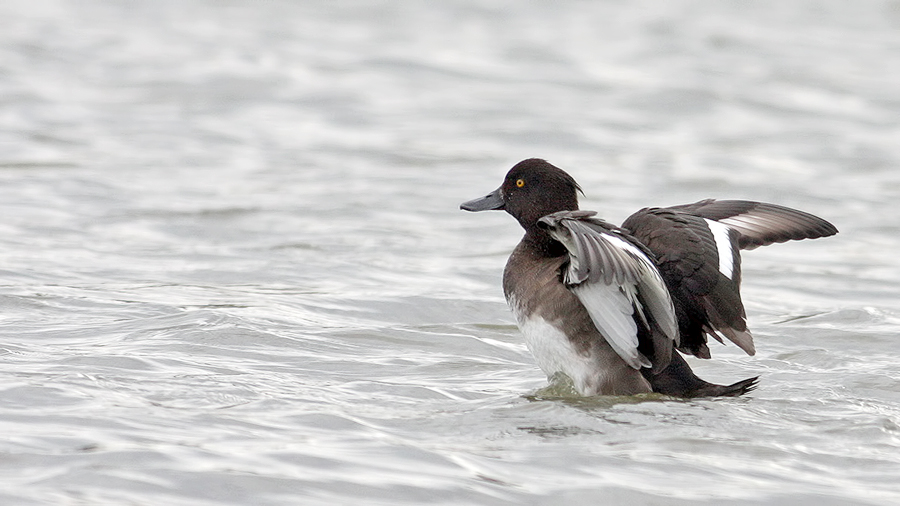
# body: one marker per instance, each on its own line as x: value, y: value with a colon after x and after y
x: 609, y: 306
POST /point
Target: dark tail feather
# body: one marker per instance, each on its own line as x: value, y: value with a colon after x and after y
x: 678, y: 380
x: 733, y: 390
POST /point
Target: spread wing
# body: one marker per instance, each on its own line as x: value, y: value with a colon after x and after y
x: 697, y: 247
x: 619, y: 285
x: 759, y: 223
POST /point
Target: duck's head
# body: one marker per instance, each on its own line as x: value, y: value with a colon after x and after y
x: 532, y: 189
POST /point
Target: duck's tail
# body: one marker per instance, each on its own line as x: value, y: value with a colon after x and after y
x: 733, y: 390
x: 678, y: 380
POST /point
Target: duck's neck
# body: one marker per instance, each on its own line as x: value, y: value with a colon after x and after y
x: 541, y: 242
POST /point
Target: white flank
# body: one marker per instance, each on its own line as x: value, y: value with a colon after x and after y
x: 721, y: 234
x: 554, y: 353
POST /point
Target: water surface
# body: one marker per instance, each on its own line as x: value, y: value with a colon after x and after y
x: 233, y: 270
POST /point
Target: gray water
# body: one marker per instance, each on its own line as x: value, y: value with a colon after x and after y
x: 233, y: 270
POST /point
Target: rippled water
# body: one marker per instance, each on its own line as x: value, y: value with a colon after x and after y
x: 234, y: 271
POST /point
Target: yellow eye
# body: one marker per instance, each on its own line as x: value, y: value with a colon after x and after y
x: 520, y: 183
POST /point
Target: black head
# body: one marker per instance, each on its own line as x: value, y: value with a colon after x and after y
x: 532, y: 189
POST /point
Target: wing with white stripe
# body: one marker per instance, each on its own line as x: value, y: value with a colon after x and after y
x: 697, y: 251
x: 701, y: 265
x: 759, y: 223
x: 617, y: 283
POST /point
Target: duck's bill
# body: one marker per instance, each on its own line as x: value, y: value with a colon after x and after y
x: 490, y: 202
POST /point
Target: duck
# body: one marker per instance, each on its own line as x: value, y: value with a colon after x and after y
x: 616, y: 308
